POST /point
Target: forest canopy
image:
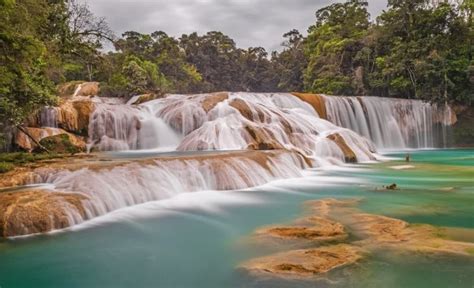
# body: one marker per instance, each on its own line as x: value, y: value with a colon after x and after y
x: 415, y: 49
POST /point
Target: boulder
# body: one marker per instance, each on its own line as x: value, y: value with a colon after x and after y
x: 63, y: 144
x: 24, y: 142
x: 211, y: 101
x: 312, y: 228
x: 38, y: 211
x: 349, y: 155
x: 79, y: 88
x: 140, y: 99
x: 315, y: 100
x: 305, y: 262
x: 87, y: 89
x: 260, y: 138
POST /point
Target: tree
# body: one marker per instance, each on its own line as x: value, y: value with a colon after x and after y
x: 332, y: 45
x: 290, y: 64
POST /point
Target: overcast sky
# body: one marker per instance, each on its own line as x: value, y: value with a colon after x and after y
x: 248, y: 22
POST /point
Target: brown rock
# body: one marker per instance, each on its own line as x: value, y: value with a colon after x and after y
x: 256, y: 115
x: 145, y: 98
x: 305, y: 263
x: 64, y: 144
x: 68, y: 89
x: 315, y: 228
x: 260, y: 138
x: 213, y: 99
x: 315, y: 100
x: 349, y: 155
x: 37, y: 211
x: 380, y: 228
x: 24, y: 142
x: 88, y: 89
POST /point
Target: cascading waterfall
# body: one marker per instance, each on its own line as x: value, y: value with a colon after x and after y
x: 225, y: 121
x: 109, y: 189
x: 49, y: 117
x: 126, y: 127
x: 287, y: 127
x: 392, y: 123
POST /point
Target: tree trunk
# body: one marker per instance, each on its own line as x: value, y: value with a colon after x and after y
x: 24, y: 131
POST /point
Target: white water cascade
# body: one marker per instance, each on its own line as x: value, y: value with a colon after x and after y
x: 224, y: 121
x: 391, y: 123
x: 277, y: 134
x: 127, y: 127
x: 111, y: 188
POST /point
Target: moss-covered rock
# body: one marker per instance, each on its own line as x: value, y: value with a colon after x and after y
x: 64, y: 144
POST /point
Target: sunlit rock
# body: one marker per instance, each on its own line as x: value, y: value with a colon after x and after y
x: 316, y: 101
x: 305, y: 263
x: 26, y: 143
x: 64, y: 144
x: 313, y: 228
x: 38, y: 211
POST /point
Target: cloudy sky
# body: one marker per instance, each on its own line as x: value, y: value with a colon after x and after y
x: 248, y: 22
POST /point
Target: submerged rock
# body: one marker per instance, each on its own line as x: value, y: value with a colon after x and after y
x: 391, y: 187
x: 38, y: 211
x: 312, y: 228
x: 306, y: 262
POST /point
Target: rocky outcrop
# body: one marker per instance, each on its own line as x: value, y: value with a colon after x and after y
x: 25, y: 142
x: 140, y: 99
x: 211, y: 101
x: 63, y: 144
x: 312, y: 228
x: 349, y: 154
x: 306, y: 262
x: 38, y: 211
x: 79, y: 88
x: 316, y: 101
x: 369, y: 232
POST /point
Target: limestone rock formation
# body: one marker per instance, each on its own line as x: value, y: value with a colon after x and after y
x: 26, y: 143
x: 349, y: 154
x: 64, y: 144
x: 306, y: 262
x: 315, y: 100
x: 313, y: 228
x: 79, y: 88
x: 38, y: 211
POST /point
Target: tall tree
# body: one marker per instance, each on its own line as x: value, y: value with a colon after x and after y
x: 332, y: 45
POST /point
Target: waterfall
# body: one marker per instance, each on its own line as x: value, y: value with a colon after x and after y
x: 392, y: 123
x: 49, y: 117
x: 126, y: 127
x: 111, y: 188
x: 277, y: 135
x: 226, y: 121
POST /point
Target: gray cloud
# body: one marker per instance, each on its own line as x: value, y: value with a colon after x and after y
x: 248, y: 22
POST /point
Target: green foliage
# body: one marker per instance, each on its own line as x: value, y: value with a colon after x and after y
x: 333, y: 46
x: 21, y: 158
x: 6, y: 167
x: 60, y: 144
x: 414, y: 50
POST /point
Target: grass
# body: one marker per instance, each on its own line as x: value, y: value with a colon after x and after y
x: 5, y: 167
x: 8, y: 161
x: 470, y: 251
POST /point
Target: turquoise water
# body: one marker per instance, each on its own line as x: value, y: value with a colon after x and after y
x: 200, y: 244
